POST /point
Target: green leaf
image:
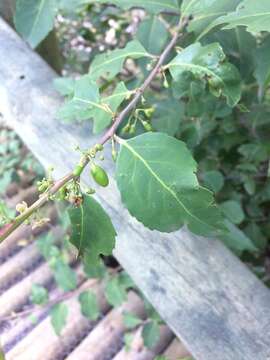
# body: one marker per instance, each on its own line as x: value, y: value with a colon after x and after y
x: 128, y: 339
x: 92, y: 231
x: 131, y: 321
x: 89, y: 305
x: 168, y: 115
x: 262, y: 62
x: 214, y: 180
x: 85, y: 98
x: 153, y: 35
x: 108, y: 65
x: 205, y: 12
x: 64, y: 276
x: 255, y: 15
x: 115, y: 292
x: 34, y: 19
x: 233, y: 211
x: 39, y: 295
x: 151, y: 334
x: 96, y: 271
x: 44, y: 244
x: 152, y: 6
x: 209, y: 63
x: 65, y: 86
x: 59, y: 315
x: 236, y: 239
x: 156, y: 177
x: 101, y: 116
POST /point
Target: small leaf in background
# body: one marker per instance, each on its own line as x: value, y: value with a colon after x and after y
x: 156, y: 177
x: 45, y: 244
x: 5, y: 180
x: 161, y: 357
x: 125, y: 280
x: 34, y: 19
x: 254, y: 232
x: 214, y: 180
x: 168, y: 115
x: 59, y: 315
x: 233, y: 211
x: 64, y: 275
x: 131, y: 321
x: 128, y: 338
x: 153, y: 35
x: 150, y: 334
x: 152, y: 6
x: 92, y: 231
x: 89, y: 305
x: 108, y: 65
x: 39, y: 295
x: 65, y: 86
x: 236, y: 239
x: 208, y: 63
x: 84, y: 99
x: 96, y: 271
x: 115, y: 292
x: 249, y: 184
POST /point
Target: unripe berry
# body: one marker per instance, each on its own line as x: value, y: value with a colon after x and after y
x: 99, y: 175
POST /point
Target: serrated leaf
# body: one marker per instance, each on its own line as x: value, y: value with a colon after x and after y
x: 39, y: 294
x: 92, y: 230
x: 150, y: 334
x: 153, y: 35
x: 208, y: 63
x: 156, y: 177
x: 233, y: 211
x: 34, y: 19
x: 101, y: 116
x: 255, y: 15
x: 64, y: 276
x: 89, y: 305
x: 108, y: 65
x: 115, y: 292
x: 152, y: 6
x: 130, y: 320
x: 59, y: 315
x: 205, y: 12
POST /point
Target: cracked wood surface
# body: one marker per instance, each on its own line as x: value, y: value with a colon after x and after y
x: 216, y: 306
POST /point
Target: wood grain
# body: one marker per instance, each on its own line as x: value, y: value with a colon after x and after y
x: 216, y: 306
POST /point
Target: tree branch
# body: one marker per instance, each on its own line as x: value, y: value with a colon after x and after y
x: 20, y: 219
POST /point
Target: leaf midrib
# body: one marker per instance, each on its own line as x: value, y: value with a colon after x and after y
x: 174, y: 195
x: 40, y: 7
x: 109, y: 61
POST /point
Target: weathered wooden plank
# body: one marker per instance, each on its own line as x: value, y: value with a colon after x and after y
x: 206, y: 295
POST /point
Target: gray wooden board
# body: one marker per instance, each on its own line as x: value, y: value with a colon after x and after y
x: 216, y: 306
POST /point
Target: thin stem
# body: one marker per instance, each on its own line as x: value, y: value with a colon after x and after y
x: 20, y: 219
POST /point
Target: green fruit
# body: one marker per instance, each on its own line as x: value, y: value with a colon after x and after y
x: 99, y: 175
